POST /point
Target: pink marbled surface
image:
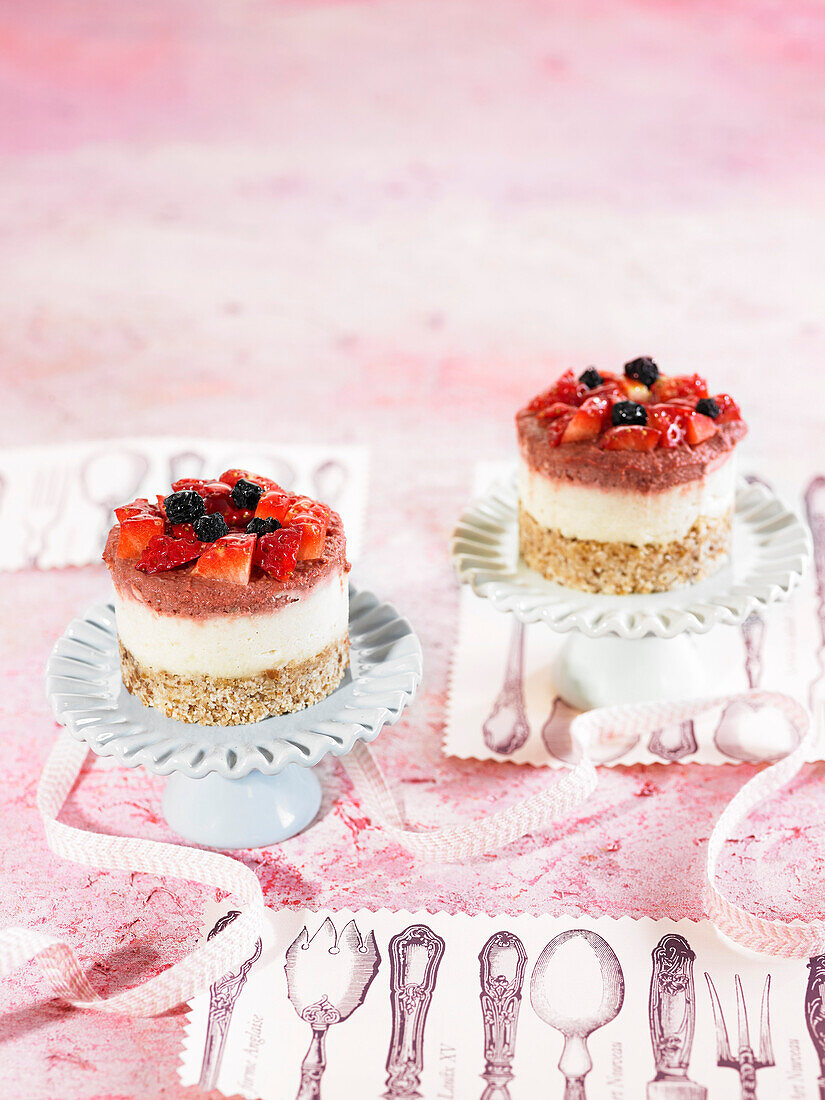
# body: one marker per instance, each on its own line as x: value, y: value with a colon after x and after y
x: 389, y: 222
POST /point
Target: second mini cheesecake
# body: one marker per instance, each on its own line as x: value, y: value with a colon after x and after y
x: 228, y: 631
x: 627, y: 482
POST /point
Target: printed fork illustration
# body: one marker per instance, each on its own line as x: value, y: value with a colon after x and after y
x: 746, y: 1063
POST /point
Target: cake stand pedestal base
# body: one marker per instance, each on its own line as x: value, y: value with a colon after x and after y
x: 600, y: 672
x: 251, y: 812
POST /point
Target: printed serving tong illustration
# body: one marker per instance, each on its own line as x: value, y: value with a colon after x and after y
x: 562, y: 966
x: 501, y: 973
x: 327, y: 978
x: 746, y: 1062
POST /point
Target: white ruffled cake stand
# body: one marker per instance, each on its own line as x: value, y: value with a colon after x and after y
x: 235, y: 786
x: 625, y: 649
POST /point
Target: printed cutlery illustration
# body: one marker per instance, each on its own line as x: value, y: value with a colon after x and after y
x: 555, y: 733
x: 502, y: 961
x: 815, y: 1014
x: 506, y: 728
x: 329, y: 480
x: 185, y: 464
x: 675, y: 742
x: 672, y: 1017
x: 327, y: 979
x: 566, y: 964
x: 222, y: 997
x: 815, y: 514
x: 44, y: 508
x: 415, y: 956
x: 745, y: 1062
x: 110, y: 477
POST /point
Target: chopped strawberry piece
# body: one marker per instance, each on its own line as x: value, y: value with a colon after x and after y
x: 588, y: 421
x: 631, y: 438
x: 558, y: 408
x: 728, y: 409
x: 699, y: 428
x: 567, y: 389
x: 275, y: 504
x: 227, y: 559
x: 137, y: 531
x: 277, y: 552
x: 182, y: 531
x: 231, y: 477
x: 670, y: 422
x: 311, y: 518
x: 556, y: 428
x: 164, y: 553
x: 141, y: 506
x: 691, y: 386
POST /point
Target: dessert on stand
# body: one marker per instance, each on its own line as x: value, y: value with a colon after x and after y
x: 233, y: 658
x: 626, y: 529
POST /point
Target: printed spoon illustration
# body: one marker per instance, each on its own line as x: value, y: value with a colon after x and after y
x: 555, y: 733
x: 577, y: 986
x: 222, y: 997
x: 185, y: 464
x: 329, y: 480
x: 501, y: 972
x: 672, y: 1016
x: 815, y: 1014
x: 327, y: 979
x: 506, y: 728
x: 110, y: 477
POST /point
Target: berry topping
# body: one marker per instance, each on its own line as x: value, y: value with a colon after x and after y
x: 557, y: 427
x: 699, y: 428
x: 558, y: 408
x: 182, y: 531
x: 670, y: 422
x: 246, y: 494
x: 184, y: 506
x: 568, y: 389
x: 630, y: 439
x: 140, y: 522
x: 277, y: 553
x: 232, y: 477
x: 708, y: 407
x: 728, y: 409
x: 274, y: 505
x: 228, y: 559
x: 164, y: 553
x: 591, y: 378
x: 210, y: 528
x: 689, y: 386
x: 588, y: 422
x: 258, y: 526
x: 642, y: 370
x: 311, y: 519
x: 625, y: 413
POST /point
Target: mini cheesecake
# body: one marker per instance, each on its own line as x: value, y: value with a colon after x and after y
x: 627, y: 482
x: 231, y: 600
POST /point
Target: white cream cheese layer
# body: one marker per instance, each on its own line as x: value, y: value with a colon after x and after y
x: 237, y: 645
x: 580, y: 512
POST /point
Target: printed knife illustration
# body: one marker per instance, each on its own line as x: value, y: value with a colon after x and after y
x: 415, y: 955
x: 815, y: 514
x: 815, y: 1014
x: 327, y: 978
x: 506, y: 727
x: 502, y: 962
x: 222, y: 997
x: 746, y: 1062
x: 564, y: 965
x: 672, y: 1015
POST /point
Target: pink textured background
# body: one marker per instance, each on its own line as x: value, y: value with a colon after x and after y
x: 387, y: 222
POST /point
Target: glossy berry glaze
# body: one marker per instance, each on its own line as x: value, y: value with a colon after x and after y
x: 640, y: 430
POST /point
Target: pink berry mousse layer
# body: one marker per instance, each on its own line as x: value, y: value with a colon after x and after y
x: 588, y: 464
x: 178, y: 592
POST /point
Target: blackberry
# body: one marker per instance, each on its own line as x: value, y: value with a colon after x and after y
x: 246, y: 494
x: 211, y: 528
x: 259, y: 526
x: 628, y: 412
x: 642, y: 370
x: 708, y: 407
x: 184, y: 506
x: 591, y: 378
